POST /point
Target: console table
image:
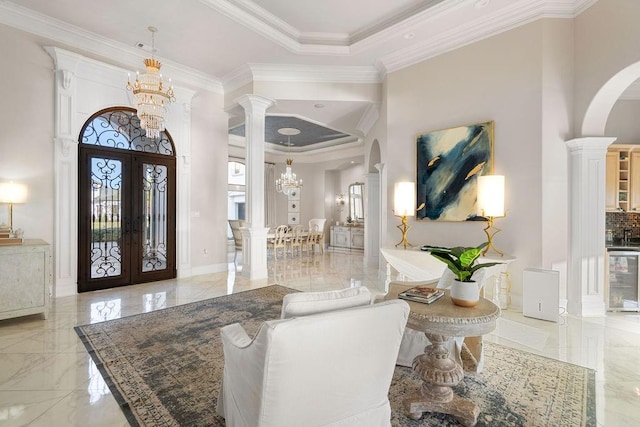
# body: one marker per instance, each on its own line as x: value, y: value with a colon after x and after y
x: 26, y: 279
x: 440, y: 321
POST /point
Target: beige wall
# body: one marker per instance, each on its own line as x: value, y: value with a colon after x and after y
x: 498, y: 79
x: 26, y: 136
x: 624, y: 122
x: 208, y: 174
x: 557, y: 127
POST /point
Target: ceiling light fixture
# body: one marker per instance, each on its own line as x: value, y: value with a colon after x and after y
x: 150, y: 94
x: 288, y: 181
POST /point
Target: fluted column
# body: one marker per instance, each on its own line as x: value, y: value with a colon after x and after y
x: 254, y: 237
x: 586, y: 269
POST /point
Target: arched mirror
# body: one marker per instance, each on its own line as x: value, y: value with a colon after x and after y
x: 356, y: 203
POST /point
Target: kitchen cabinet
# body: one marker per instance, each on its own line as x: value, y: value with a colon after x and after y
x: 350, y: 238
x: 612, y: 167
x: 623, y: 178
x: 25, y: 281
x: 634, y: 182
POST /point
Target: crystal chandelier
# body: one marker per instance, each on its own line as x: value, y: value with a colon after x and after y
x: 151, y: 95
x: 288, y: 180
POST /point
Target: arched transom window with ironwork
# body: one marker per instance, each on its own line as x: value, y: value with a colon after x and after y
x: 126, y: 202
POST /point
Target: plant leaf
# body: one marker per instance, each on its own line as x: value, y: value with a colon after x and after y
x: 451, y: 263
x: 468, y: 257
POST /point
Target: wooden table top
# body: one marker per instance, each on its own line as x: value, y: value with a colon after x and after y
x: 445, y: 318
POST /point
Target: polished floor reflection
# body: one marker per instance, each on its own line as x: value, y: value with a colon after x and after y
x: 47, y: 378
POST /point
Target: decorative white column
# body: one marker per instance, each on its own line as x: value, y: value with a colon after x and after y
x: 586, y: 274
x: 254, y: 237
x: 65, y: 241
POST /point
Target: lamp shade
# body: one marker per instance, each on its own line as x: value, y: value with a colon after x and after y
x: 491, y: 195
x: 404, y: 199
x: 10, y: 192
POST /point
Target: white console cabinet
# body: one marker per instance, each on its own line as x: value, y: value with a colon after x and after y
x: 25, y: 279
x: 349, y: 238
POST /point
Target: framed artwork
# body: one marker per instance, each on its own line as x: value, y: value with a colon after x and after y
x: 448, y: 164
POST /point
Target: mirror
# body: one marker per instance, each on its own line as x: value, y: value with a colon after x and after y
x: 356, y: 203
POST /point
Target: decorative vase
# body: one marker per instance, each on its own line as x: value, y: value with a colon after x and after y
x: 465, y: 294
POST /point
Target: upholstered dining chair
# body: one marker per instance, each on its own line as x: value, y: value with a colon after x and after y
x: 328, y: 369
x: 235, y: 225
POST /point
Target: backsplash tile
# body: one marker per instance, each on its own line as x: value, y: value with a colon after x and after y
x: 618, y: 221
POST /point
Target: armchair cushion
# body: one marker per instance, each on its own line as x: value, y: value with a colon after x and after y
x: 306, y: 303
x: 327, y: 369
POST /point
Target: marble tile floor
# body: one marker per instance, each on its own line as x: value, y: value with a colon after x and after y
x: 48, y: 379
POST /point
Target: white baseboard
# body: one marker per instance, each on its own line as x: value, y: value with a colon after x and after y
x: 208, y: 269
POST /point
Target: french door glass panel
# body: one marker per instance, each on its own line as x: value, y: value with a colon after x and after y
x: 106, y: 217
x: 154, y: 224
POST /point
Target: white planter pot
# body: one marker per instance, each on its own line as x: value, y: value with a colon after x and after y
x: 465, y: 294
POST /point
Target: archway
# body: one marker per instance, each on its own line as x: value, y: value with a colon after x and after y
x: 597, y: 114
x: 587, y: 157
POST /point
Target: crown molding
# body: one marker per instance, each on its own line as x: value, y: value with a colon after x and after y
x: 314, y: 73
x: 257, y: 19
x: 369, y: 118
x: 517, y: 14
x: 237, y: 78
x: 115, y: 53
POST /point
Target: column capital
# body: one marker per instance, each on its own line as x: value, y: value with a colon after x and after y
x: 590, y: 143
x: 255, y: 102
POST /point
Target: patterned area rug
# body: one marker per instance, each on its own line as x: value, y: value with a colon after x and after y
x: 164, y: 369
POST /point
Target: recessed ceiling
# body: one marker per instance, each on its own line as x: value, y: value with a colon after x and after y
x: 310, y: 133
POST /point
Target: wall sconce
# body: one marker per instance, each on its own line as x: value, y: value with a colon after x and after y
x: 404, y: 205
x: 12, y: 193
x: 340, y: 202
x: 491, y: 205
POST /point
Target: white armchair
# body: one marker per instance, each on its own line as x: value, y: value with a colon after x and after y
x: 305, y: 303
x: 326, y: 369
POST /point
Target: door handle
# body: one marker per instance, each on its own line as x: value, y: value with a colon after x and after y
x: 127, y: 226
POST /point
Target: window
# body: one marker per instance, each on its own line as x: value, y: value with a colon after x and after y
x: 236, y: 178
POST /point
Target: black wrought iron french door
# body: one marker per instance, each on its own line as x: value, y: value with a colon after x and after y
x: 126, y: 217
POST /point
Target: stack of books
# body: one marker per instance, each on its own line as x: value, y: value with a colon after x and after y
x: 423, y: 294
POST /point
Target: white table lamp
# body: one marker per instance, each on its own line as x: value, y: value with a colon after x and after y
x: 490, y: 202
x: 12, y: 193
x: 404, y: 205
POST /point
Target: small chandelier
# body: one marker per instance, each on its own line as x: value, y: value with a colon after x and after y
x: 150, y: 94
x: 288, y: 180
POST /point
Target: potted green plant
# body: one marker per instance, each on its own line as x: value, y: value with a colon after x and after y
x: 461, y: 261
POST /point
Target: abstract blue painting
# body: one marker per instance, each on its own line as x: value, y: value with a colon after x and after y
x: 449, y: 162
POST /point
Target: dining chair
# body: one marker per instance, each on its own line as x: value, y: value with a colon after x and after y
x: 279, y: 241
x: 312, y: 240
x: 319, y: 222
x: 295, y: 241
x: 235, y: 225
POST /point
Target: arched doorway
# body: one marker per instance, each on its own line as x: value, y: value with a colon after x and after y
x: 126, y: 202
